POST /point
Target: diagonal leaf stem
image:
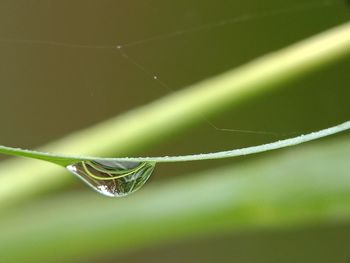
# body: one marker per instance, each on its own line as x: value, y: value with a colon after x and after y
x: 56, y: 158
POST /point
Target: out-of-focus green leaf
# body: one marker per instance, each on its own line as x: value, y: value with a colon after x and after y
x: 305, y: 185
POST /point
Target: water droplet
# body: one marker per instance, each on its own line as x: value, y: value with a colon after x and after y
x: 113, y: 178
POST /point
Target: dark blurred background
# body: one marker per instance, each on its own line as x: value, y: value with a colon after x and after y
x: 55, y: 79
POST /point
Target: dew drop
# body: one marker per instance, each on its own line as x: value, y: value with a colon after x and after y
x: 113, y: 178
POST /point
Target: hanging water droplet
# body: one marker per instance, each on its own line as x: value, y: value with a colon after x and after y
x: 113, y: 178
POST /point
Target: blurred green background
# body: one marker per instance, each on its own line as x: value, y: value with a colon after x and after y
x: 48, y: 91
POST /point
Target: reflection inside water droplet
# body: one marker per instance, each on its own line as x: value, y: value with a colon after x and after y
x: 113, y: 178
